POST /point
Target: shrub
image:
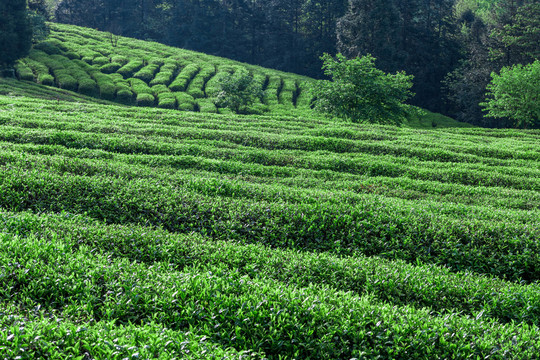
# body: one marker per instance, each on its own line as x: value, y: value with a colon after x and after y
x: 273, y: 89
x: 166, y: 100
x: 256, y: 109
x: 140, y: 87
x: 124, y: 96
x: 100, y: 61
x: 360, y: 92
x: 110, y: 68
x: 286, y: 97
x: 261, y: 78
x: 119, y: 59
x: 304, y: 97
x: 165, y: 75
x: 196, y: 87
x: 88, y: 87
x: 107, y: 91
x: 23, y: 71
x: 238, y: 91
x: 39, y: 69
x: 207, y: 106
x: 130, y: 68
x: 49, y: 47
x: 185, y: 101
x: 213, y: 85
x: 145, y: 99
x: 147, y: 73
x: 107, y: 88
x: 65, y: 81
x: 156, y: 61
x: 225, y: 111
x: 186, y: 106
x: 46, y: 79
x: 196, y: 92
x: 158, y: 89
x: 184, y: 77
x: 515, y: 94
x: 72, y: 55
x: 289, y: 85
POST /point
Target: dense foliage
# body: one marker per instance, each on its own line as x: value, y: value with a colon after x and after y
x: 494, y: 34
x: 15, y: 32
x: 133, y: 72
x: 238, y: 91
x: 515, y: 94
x: 450, y: 46
x: 360, y: 92
x: 141, y: 232
x: 418, y: 37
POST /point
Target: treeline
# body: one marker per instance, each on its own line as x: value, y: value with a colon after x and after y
x: 450, y: 46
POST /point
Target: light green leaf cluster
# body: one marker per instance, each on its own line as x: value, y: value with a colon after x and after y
x: 360, y: 92
x: 515, y: 94
x: 237, y: 91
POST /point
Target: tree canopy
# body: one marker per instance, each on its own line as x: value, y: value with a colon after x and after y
x: 237, y: 91
x: 15, y: 32
x: 515, y: 94
x: 360, y: 92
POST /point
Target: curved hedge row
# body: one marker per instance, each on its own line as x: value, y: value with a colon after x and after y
x: 180, y: 70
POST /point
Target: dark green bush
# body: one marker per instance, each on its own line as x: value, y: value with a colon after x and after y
x: 100, y: 61
x: 124, y: 96
x: 88, y: 87
x: 65, y: 81
x: 145, y: 99
x: 130, y: 68
x: 23, y: 71
x: 107, y: 91
x: 46, y: 79
x: 110, y: 68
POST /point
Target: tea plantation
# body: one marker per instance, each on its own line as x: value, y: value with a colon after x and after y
x: 149, y: 74
x: 144, y: 232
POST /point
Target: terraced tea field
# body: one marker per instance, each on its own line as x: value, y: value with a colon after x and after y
x: 142, y: 73
x: 133, y: 232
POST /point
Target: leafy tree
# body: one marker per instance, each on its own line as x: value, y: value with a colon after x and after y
x: 415, y: 36
x: 493, y: 34
x: 38, y: 15
x: 520, y: 37
x: 360, y: 92
x: 238, y: 91
x: 15, y: 32
x: 515, y: 94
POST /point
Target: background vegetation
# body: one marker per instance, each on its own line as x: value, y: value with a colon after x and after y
x: 451, y: 46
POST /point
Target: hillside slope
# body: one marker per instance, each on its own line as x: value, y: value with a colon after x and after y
x: 138, y: 72
x: 154, y: 233
x: 134, y: 72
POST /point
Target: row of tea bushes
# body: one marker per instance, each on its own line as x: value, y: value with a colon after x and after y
x: 247, y: 314
x: 422, y: 286
x: 155, y: 64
